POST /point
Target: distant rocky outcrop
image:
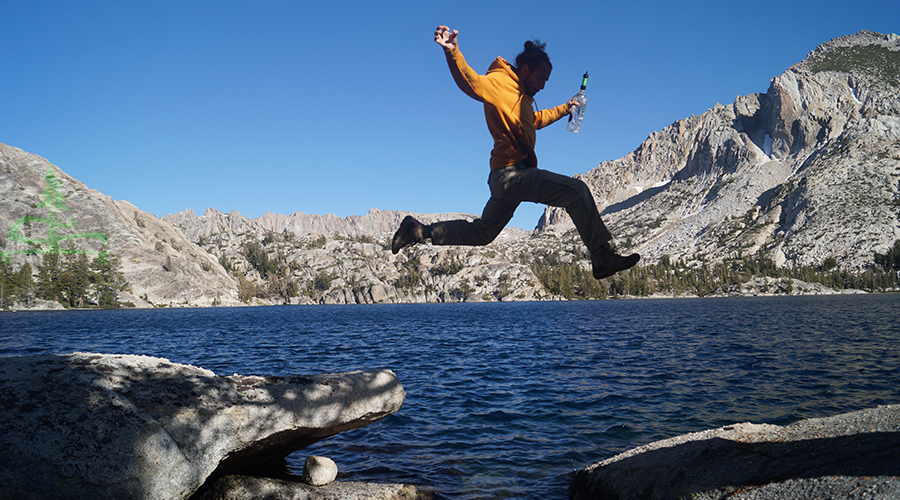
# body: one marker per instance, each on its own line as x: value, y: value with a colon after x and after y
x: 160, y: 265
x: 804, y: 172
x: 213, y: 222
x: 120, y: 427
x: 784, y: 286
x: 849, y: 456
x: 376, y: 223
x: 338, y: 269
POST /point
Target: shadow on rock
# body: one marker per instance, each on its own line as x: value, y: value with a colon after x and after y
x: 848, y: 456
x: 99, y: 426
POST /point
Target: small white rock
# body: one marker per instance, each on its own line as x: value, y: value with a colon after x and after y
x: 319, y: 471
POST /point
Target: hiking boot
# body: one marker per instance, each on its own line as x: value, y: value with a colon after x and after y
x: 606, y: 264
x: 410, y: 232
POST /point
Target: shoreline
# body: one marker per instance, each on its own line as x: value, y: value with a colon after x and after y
x: 657, y: 296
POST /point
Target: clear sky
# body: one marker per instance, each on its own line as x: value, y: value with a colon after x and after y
x: 337, y: 107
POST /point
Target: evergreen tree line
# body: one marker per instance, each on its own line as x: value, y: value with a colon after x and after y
x: 570, y: 279
x: 71, y: 279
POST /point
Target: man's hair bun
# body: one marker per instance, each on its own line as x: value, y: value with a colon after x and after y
x: 536, y: 44
x: 533, y: 53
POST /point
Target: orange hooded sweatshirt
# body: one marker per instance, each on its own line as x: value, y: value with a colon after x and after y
x: 509, y: 112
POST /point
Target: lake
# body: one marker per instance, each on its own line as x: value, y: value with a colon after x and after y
x: 505, y: 399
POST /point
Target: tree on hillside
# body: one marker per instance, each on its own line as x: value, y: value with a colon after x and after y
x: 107, y: 280
x: 890, y: 261
x: 15, y: 285
x: 75, y: 279
x: 48, y: 281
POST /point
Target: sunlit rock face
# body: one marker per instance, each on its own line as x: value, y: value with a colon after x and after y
x: 99, y: 426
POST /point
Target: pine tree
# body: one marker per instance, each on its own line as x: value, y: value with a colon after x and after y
x: 107, y: 280
x: 76, y: 279
x: 48, y: 283
x: 25, y: 284
x: 6, y: 282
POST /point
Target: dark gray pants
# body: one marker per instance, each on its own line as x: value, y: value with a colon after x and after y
x: 511, y: 186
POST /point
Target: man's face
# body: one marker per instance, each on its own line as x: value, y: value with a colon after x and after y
x: 533, y: 79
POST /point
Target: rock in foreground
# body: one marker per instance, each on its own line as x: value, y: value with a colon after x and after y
x: 256, y: 488
x: 849, y: 456
x: 97, y: 426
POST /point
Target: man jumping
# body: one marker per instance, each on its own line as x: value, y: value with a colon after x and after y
x: 508, y: 92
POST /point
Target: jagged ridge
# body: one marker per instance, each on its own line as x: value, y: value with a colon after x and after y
x: 805, y: 172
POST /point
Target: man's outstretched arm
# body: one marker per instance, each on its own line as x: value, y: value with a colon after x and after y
x: 545, y: 117
x: 466, y: 78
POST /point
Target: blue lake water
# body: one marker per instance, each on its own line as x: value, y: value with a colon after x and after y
x: 504, y: 399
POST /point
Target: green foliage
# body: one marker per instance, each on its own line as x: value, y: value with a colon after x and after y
x: 107, y: 280
x: 568, y: 279
x: 75, y: 280
x: 71, y: 279
x: 891, y: 260
x: 49, y: 282
x: 259, y: 260
x: 322, y: 281
x: 703, y: 278
x: 504, y: 288
x: 410, y: 277
x: 363, y: 238
x: 246, y: 289
x: 462, y: 292
x: 875, y: 60
x: 566, y: 274
x: 283, y: 288
x: 226, y: 264
x: 447, y: 267
x: 319, y: 284
x: 15, y: 285
x: 318, y: 242
x: 275, y: 271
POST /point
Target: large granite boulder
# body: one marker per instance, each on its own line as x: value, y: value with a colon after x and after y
x: 95, y: 426
x: 848, y: 456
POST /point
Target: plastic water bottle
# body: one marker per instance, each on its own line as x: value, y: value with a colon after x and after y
x: 576, y: 114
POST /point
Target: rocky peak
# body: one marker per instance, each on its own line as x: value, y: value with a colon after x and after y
x: 805, y: 172
x: 212, y: 222
x: 376, y: 223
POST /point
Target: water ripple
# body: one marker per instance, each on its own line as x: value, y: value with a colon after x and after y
x: 503, y: 400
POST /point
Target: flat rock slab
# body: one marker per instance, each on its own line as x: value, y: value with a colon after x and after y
x: 256, y: 488
x: 848, y: 456
x: 97, y: 426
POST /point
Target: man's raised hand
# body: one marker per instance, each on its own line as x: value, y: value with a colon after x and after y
x: 445, y: 37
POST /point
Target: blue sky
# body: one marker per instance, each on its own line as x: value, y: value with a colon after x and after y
x: 338, y: 107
